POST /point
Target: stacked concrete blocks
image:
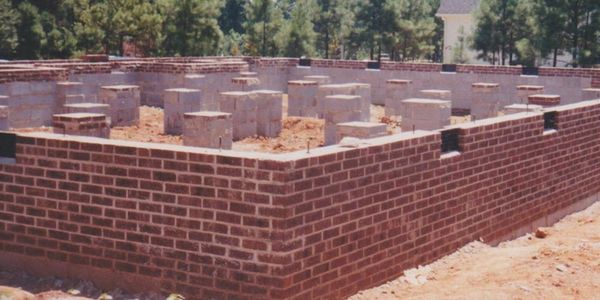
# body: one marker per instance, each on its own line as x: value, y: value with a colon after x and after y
x: 244, y: 83
x: 590, y: 94
x: 69, y: 92
x: 193, y: 81
x: 209, y: 129
x: 361, y: 130
x: 124, y: 102
x: 84, y: 124
x: 92, y: 108
x: 243, y: 109
x: 337, y: 109
x: 544, y: 100
x: 4, y: 117
x: 524, y: 91
x: 436, y: 94
x: 269, y: 112
x: 425, y: 114
x: 486, y: 103
x: 302, y: 98
x: 177, y: 102
x: 357, y: 89
x: 396, y: 90
x: 519, y: 108
x: 248, y: 74
x: 320, y: 79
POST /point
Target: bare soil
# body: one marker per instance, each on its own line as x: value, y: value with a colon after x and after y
x: 561, y: 262
x: 296, y: 133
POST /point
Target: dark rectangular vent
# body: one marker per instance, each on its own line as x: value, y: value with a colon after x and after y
x: 8, y: 145
x: 550, y: 120
x: 304, y: 62
x: 450, y: 140
x: 374, y: 65
x: 450, y: 68
x: 531, y: 71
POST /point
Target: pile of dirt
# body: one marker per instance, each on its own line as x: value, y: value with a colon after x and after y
x: 18, y: 285
x: 149, y: 129
x: 561, y: 262
x: 296, y: 134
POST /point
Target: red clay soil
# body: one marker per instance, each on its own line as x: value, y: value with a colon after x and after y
x: 561, y: 262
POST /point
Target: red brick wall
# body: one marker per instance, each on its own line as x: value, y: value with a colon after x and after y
x: 325, y: 226
x: 358, y: 218
x: 183, y: 219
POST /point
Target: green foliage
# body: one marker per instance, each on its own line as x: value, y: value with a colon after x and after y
x: 191, y: 27
x: 459, y: 51
x: 297, y: 38
x: 232, y: 16
x: 507, y: 31
x: 263, y: 20
x: 9, y: 19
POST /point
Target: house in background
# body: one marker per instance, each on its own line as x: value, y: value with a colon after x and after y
x: 458, y: 22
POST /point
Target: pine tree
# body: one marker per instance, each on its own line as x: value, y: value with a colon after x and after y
x: 298, y: 37
x: 415, y: 30
x: 459, y: 50
x: 192, y: 28
x: 9, y: 19
x: 263, y: 21
x: 232, y: 16
x: 31, y: 35
x: 333, y: 23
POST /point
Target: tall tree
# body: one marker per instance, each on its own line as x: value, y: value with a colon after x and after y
x: 297, y: 37
x: 415, y: 29
x: 9, y: 19
x: 333, y: 23
x: 232, y: 16
x: 192, y: 27
x: 31, y: 33
x: 500, y: 25
x: 376, y: 21
x: 263, y: 20
x: 550, y: 21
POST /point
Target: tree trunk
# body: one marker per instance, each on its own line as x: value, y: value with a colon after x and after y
x: 326, y: 44
x: 555, y: 58
x: 264, y: 38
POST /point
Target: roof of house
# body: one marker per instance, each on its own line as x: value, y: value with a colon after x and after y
x: 457, y: 7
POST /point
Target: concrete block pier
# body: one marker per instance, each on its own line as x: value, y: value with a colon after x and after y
x: 337, y: 109
x: 124, y: 102
x: 486, y: 102
x: 361, y: 130
x: 302, y: 98
x: 425, y: 114
x: 396, y: 90
x: 209, y: 129
x: 177, y: 102
x: 84, y: 124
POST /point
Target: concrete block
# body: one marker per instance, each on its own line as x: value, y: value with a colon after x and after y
x: 177, y: 102
x: 208, y: 129
x: 193, y: 81
x: 396, y: 90
x: 92, y: 108
x: 524, y: 91
x: 338, y: 109
x: 518, y: 108
x: 320, y: 79
x: 243, y: 109
x: 4, y: 118
x: 85, y: 124
x: 248, y: 74
x: 244, y: 83
x: 359, y: 89
x: 425, y: 114
x: 124, y: 102
x: 590, y: 94
x: 544, y: 100
x: 4, y: 100
x: 486, y: 102
x: 361, y: 130
x: 302, y: 98
x: 269, y: 112
x: 436, y: 94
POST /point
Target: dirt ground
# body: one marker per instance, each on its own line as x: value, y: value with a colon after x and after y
x: 296, y: 133
x: 563, y: 265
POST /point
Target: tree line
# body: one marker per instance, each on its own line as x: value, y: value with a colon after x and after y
x: 530, y: 32
x: 349, y: 29
x: 527, y: 32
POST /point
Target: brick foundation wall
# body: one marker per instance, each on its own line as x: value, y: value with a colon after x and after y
x: 322, y: 225
x: 200, y: 224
